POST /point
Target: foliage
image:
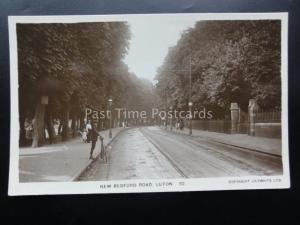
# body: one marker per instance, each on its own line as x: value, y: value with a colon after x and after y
x: 231, y: 61
x: 76, y: 65
x: 80, y: 59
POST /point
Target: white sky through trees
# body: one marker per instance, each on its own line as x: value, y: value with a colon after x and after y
x: 150, y: 40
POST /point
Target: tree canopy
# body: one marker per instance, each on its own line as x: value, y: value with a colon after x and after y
x: 82, y: 58
x: 231, y: 61
x: 77, y: 65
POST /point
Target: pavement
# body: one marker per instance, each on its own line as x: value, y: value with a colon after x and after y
x: 132, y: 156
x: 59, y: 162
x: 145, y: 153
x: 271, y: 146
x: 155, y: 153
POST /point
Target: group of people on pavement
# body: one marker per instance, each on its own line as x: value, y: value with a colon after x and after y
x: 179, y: 124
x: 90, y: 135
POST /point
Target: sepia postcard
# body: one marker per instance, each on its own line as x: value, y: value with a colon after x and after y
x: 148, y: 103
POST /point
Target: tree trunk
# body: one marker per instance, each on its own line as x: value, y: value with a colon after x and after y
x: 39, y: 126
x: 49, y: 125
x: 60, y: 127
x: 78, y: 123
x: 82, y: 125
x: 65, y: 124
x: 22, y: 138
x: 74, y: 125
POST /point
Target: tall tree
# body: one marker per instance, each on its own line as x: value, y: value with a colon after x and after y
x: 231, y: 61
x: 56, y: 60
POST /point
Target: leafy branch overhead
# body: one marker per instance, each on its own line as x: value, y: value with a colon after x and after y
x: 231, y: 61
x: 59, y: 60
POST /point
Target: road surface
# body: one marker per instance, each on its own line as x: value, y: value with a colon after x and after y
x: 152, y: 152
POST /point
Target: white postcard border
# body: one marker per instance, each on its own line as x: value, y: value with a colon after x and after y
x: 154, y: 185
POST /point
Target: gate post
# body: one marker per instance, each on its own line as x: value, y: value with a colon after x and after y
x: 234, y: 108
x: 251, y: 112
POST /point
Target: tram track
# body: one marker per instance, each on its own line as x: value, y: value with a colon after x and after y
x: 205, y: 158
x: 170, y: 160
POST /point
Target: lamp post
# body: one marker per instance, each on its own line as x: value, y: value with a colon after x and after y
x: 189, y: 70
x: 110, y: 104
x: 171, y: 119
x: 166, y: 107
x: 190, y: 94
x: 190, y: 117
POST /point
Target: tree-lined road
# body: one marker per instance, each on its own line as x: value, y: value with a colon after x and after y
x: 152, y: 152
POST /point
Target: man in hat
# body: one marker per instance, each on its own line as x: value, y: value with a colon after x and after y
x: 94, y: 137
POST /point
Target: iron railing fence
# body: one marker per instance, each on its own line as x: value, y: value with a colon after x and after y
x: 273, y: 116
x: 224, y: 125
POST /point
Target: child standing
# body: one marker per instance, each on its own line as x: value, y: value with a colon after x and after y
x: 84, y: 135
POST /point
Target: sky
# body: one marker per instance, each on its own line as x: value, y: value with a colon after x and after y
x: 150, y: 40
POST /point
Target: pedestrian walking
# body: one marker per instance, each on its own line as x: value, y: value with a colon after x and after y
x: 84, y: 135
x: 88, y: 128
x: 181, y: 124
x: 94, y: 137
x: 177, y: 124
